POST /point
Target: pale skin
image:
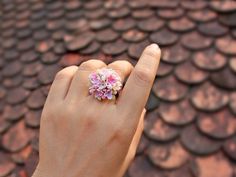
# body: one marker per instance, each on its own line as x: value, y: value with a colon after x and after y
x: 83, y: 137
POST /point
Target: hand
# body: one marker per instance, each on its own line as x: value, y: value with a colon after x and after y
x: 83, y: 137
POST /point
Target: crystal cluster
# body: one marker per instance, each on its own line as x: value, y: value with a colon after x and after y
x: 105, y: 83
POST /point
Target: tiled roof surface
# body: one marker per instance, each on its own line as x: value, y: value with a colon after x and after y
x: 190, y: 127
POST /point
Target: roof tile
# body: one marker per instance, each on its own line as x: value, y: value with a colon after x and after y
x: 169, y: 156
x: 15, y: 138
x: 209, y: 98
x: 180, y: 113
x: 220, y: 124
x: 158, y: 130
x: 197, y: 143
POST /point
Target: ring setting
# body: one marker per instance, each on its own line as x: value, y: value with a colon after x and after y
x: 105, y: 83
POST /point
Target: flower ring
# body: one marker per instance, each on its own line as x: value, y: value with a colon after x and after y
x: 105, y: 84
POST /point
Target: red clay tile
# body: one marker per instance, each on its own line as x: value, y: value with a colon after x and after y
x: 23, y: 33
x: 202, y: 15
x: 73, y: 5
x: 209, y: 29
x: 11, y: 82
x: 164, y: 37
x: 115, y: 48
x: 4, y: 125
x: 31, y: 83
x: 106, y: 35
x: 164, y: 69
x: 142, y: 13
x: 6, y: 168
x: 135, y: 50
x: 11, y: 54
x: 163, y: 4
x: 44, y: 46
x: 181, y: 171
x: 41, y: 34
x: 224, y: 78
x: 137, y: 4
x: 198, y: 143
x: 9, y: 43
x: 232, y: 102
x: 206, y: 166
x: 12, y: 69
x: 181, y: 25
x: 175, y: 54
x: 14, y: 113
x: 226, y: 45
x: 158, y: 130
x: 134, y: 35
x: 217, y: 125
x: 2, y: 92
x: 170, y: 13
x: 119, y: 12
x: 180, y: 113
x: 59, y: 48
x: 32, y: 118
x: 153, y: 102
x: 209, y: 60
x: 169, y: 89
x: 230, y: 148
x: 47, y: 74
x: 49, y: 58
x: 171, y: 156
x: 79, y: 42
x: 36, y: 99
x: 99, y: 24
x: 209, y: 98
x: 15, y: 138
x: 20, y: 157
x: 53, y: 25
x: 95, y: 14
x: 17, y: 95
x: 223, y: 6
x: 32, y: 69
x: 92, y: 48
x: 25, y: 44
x: 29, y: 56
x: 143, y: 144
x: 123, y: 24
x: 150, y: 24
x: 31, y: 163
x: 195, y: 5
x: 190, y: 74
x: 195, y: 41
x: 93, y: 5
x: 71, y: 59
x: 141, y: 167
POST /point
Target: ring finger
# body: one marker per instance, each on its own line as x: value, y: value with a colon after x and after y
x: 80, y: 83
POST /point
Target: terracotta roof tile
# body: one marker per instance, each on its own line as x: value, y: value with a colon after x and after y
x: 157, y: 129
x: 192, y: 105
x: 171, y: 156
x: 180, y: 113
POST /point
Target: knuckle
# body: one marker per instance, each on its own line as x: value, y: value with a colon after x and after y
x: 91, y: 64
x: 119, y: 136
x: 66, y: 72
x: 143, y: 76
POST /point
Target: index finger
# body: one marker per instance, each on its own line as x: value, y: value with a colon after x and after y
x: 138, y: 86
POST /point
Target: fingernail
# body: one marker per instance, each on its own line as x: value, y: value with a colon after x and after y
x: 154, y: 45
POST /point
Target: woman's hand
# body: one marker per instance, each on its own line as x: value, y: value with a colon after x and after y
x: 83, y: 137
